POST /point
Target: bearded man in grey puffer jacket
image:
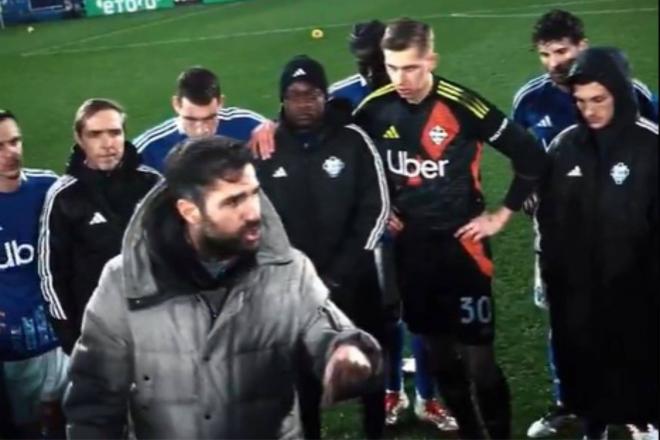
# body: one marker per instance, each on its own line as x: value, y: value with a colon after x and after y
x: 201, y: 325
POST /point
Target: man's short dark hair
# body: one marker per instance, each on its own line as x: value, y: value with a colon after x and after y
x: 91, y: 107
x: 6, y: 114
x: 556, y: 25
x: 198, y: 85
x: 405, y: 33
x: 194, y: 166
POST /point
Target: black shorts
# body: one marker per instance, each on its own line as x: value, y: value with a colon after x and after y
x: 446, y: 286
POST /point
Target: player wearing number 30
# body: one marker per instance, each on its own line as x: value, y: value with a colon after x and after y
x: 430, y: 132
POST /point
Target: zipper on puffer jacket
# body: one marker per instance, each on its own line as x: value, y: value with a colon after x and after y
x: 213, y: 314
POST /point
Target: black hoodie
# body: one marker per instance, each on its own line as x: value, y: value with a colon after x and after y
x: 83, y: 222
x: 609, y: 67
x: 598, y: 217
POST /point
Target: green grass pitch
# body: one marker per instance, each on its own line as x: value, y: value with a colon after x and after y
x: 483, y: 44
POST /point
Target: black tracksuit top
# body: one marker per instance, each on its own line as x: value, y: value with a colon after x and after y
x: 331, y: 195
x: 85, y: 214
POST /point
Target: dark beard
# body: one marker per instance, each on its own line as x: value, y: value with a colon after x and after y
x: 221, y: 248
x: 560, y: 75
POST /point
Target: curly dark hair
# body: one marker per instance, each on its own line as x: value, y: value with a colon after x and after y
x: 558, y: 24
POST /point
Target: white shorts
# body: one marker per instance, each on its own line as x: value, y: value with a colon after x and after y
x: 31, y: 381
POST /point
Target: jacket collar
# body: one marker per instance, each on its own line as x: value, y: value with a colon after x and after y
x: 76, y: 166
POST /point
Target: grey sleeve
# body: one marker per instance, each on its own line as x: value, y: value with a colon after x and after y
x: 96, y: 400
x: 325, y: 327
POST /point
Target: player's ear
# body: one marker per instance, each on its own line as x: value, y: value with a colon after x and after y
x: 189, y: 211
x: 77, y: 138
x: 583, y: 44
x: 433, y: 59
x: 221, y: 101
x: 176, y: 103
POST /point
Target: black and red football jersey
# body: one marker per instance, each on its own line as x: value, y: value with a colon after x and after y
x: 432, y: 152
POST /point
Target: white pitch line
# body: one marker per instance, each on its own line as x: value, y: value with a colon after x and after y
x: 55, y: 49
x: 467, y: 14
x: 527, y: 15
x: 538, y: 5
x: 185, y: 40
x: 48, y: 50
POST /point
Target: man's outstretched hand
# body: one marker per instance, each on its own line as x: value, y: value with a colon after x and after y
x: 346, y: 370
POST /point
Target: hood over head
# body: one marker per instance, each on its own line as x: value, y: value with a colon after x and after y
x: 609, y: 67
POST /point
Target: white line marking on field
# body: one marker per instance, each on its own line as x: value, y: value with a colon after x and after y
x: 185, y: 40
x: 54, y: 49
x: 492, y: 13
x: 538, y: 5
x: 529, y: 14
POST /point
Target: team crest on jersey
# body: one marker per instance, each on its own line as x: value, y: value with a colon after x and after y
x: 438, y: 135
x: 333, y: 166
x: 620, y: 173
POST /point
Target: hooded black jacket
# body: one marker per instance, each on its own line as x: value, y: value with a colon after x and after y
x: 598, y: 217
x: 85, y: 214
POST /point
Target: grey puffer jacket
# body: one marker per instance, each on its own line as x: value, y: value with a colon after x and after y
x: 151, y: 346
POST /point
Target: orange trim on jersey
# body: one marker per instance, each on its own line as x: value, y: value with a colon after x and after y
x: 477, y: 251
x: 475, y: 166
x: 440, y: 130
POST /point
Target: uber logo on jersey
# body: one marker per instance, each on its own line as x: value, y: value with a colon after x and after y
x: 333, y: 166
x: 16, y: 255
x: 413, y: 167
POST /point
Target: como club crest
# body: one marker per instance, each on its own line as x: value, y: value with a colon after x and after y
x: 333, y: 166
x: 620, y: 173
x: 438, y: 135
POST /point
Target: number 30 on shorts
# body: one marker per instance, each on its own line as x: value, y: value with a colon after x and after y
x: 476, y: 309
